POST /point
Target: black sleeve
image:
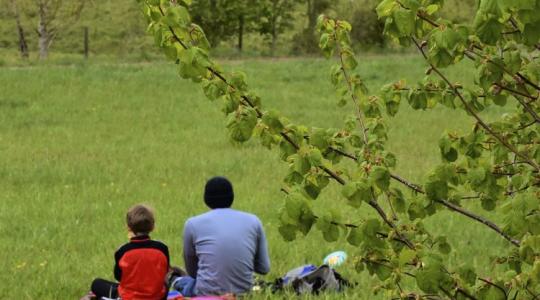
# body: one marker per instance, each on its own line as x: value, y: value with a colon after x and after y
x: 117, y: 271
x: 166, y: 252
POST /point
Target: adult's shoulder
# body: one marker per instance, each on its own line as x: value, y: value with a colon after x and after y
x: 251, y: 217
x: 195, y: 219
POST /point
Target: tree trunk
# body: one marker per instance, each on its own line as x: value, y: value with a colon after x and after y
x: 274, y: 38
x: 23, y: 45
x: 44, y: 35
x: 240, y: 32
x: 274, y: 33
x: 86, y: 42
x: 312, y: 15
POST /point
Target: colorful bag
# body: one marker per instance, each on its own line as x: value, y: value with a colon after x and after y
x: 309, y: 279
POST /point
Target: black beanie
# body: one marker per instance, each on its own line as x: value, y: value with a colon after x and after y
x: 218, y: 193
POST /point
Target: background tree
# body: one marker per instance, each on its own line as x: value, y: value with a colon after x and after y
x: 212, y: 15
x: 276, y: 18
x: 306, y: 41
x: 16, y: 13
x: 496, y: 163
x: 54, y: 16
x: 225, y: 19
x: 368, y: 28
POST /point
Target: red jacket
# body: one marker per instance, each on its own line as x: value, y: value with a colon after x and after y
x: 141, y: 267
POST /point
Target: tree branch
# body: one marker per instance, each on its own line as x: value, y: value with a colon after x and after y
x: 495, y: 286
x: 516, y: 92
x: 481, y: 122
x: 526, y: 106
x: 460, y: 210
x: 505, y: 70
x: 331, y: 173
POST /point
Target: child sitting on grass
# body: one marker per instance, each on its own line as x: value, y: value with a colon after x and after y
x: 141, y: 265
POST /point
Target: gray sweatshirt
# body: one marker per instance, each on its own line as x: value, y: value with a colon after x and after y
x: 222, y: 249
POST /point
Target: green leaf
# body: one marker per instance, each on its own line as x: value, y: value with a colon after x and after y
x: 432, y: 275
x: 286, y: 150
x: 531, y: 34
x: 315, y: 157
x: 392, y: 103
x: 512, y: 60
x: 499, y: 99
x: 440, y: 58
x: 288, y: 232
x: 319, y: 138
x: 297, y: 212
x: 301, y: 164
x: 490, y: 7
x: 477, y: 176
x: 442, y: 245
x: 241, y: 125
x: 349, y: 61
x: 381, y: 177
x: 330, y: 233
x: 406, y: 256
x: 382, y: 272
x: 385, y: 8
x: 417, y: 99
x: 405, y: 21
x: 238, y: 80
x: 488, y: 29
x: 312, y: 190
x: 448, y: 151
x: 177, y: 15
x: 370, y: 228
x: 356, y: 193
x: 271, y: 119
x: 398, y: 200
x: 489, y: 292
x: 294, y: 178
x: 355, y: 237
x: 436, y: 189
x: 432, y: 8
x: 416, y: 211
x: 212, y: 89
x: 468, y: 274
x: 535, y: 273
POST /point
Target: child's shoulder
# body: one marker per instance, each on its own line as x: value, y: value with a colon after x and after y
x: 158, y: 243
x: 136, y: 244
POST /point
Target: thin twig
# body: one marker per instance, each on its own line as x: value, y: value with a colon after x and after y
x: 473, y: 113
x: 360, y: 118
x: 495, y: 286
x: 516, y: 92
x: 460, y: 210
x: 525, y: 105
x: 331, y: 173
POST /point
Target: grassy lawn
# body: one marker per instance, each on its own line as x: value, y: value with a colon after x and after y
x: 80, y: 144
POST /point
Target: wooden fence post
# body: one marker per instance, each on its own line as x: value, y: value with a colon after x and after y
x: 86, y: 42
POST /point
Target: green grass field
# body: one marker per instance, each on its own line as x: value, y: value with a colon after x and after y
x: 80, y: 144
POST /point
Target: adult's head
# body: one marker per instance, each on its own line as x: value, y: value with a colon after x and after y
x: 218, y: 193
x: 140, y: 219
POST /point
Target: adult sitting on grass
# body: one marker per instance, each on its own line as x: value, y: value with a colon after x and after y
x: 222, y: 248
x: 141, y: 264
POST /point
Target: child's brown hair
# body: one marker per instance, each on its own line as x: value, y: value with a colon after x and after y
x: 140, y: 219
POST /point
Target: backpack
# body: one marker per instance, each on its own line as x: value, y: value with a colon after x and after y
x: 310, y: 279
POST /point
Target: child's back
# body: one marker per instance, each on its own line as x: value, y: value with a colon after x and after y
x: 141, y: 265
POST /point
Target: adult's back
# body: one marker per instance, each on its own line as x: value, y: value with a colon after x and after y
x: 222, y: 250
x: 224, y: 247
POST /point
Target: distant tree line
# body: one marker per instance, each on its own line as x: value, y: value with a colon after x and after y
x: 116, y: 27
